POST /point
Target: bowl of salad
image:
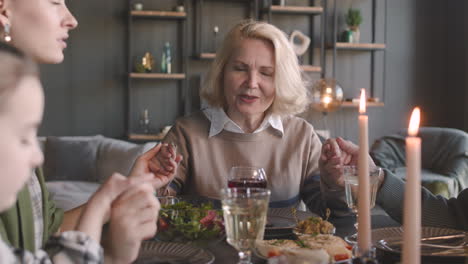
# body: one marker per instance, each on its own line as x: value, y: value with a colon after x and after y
x: 185, y: 222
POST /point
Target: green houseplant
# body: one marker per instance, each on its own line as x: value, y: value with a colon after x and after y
x: 354, y: 20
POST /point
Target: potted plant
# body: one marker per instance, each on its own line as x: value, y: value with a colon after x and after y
x: 353, y: 20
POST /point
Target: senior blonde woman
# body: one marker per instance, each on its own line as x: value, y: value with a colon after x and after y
x: 253, y: 91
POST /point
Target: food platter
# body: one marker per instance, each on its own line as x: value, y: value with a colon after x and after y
x: 316, y: 249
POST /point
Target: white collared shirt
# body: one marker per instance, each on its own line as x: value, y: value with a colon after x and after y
x: 220, y: 121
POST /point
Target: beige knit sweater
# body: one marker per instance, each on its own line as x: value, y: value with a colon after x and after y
x: 290, y: 161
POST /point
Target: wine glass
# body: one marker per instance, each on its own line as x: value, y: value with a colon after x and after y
x: 245, y: 211
x: 351, y: 179
x: 241, y: 176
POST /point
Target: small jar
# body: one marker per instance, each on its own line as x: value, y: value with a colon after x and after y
x: 138, y: 6
x: 180, y: 8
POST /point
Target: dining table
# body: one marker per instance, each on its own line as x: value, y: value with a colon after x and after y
x: 226, y: 254
x: 223, y: 253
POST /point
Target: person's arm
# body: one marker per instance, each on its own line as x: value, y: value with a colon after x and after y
x: 69, y: 247
x: 335, y: 154
x: 315, y: 193
x: 70, y: 218
x: 436, y: 210
x: 161, y: 161
x: 133, y: 218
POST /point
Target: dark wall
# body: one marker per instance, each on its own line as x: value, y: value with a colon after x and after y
x: 424, y: 65
x: 85, y: 94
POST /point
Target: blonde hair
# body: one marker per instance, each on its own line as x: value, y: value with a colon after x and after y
x: 291, y: 93
x: 15, y: 66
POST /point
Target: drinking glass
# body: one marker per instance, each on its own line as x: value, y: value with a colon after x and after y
x: 245, y: 211
x: 351, y: 179
x: 241, y: 176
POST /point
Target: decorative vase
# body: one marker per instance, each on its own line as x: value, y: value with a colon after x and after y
x: 355, y: 34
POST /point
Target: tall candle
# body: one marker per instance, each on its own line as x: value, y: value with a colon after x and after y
x: 364, y: 220
x: 412, y: 205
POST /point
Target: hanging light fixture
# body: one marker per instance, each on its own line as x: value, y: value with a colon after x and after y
x: 327, y: 95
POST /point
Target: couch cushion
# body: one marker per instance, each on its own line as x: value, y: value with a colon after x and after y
x: 89, y: 158
x: 117, y: 156
x: 436, y: 183
x: 70, y: 194
x: 71, y: 158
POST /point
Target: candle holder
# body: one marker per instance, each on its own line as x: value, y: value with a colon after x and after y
x: 369, y: 257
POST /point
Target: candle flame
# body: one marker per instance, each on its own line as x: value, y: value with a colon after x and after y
x: 414, y: 122
x: 362, y: 102
x: 326, y: 99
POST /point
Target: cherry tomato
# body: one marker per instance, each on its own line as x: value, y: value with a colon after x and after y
x: 339, y: 257
x: 274, y: 253
x: 162, y: 224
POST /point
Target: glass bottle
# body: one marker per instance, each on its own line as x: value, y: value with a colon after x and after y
x: 145, y: 122
x: 166, y: 61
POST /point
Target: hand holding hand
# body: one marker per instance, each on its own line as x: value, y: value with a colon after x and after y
x: 97, y: 211
x: 161, y: 161
x: 133, y: 218
x: 335, y: 154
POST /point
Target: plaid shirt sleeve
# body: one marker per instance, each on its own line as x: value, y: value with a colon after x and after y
x: 69, y: 247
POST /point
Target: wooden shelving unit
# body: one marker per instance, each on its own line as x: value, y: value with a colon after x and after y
x: 159, y: 14
x: 306, y: 10
x: 207, y: 56
x: 310, y: 10
x: 356, y: 104
x: 311, y: 68
x: 146, y: 137
x: 358, y: 46
x: 373, y: 45
x: 136, y: 39
x: 200, y: 14
x: 163, y: 76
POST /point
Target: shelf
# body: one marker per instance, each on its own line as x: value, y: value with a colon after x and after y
x: 307, y: 10
x: 165, y: 76
x: 156, y: 137
x: 159, y: 14
x: 356, y: 104
x: 358, y: 46
x: 311, y: 68
x: 207, y: 56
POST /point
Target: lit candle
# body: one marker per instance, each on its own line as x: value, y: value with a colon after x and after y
x: 364, y: 220
x: 412, y: 205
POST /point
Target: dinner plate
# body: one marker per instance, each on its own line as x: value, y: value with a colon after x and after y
x: 282, y: 223
x: 389, y: 240
x: 279, y: 227
x: 287, y: 212
x: 153, y: 252
x: 275, y: 222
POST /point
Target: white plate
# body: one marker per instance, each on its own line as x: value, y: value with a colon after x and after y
x: 153, y: 252
x: 391, y: 237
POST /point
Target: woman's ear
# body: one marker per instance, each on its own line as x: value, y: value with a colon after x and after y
x: 4, y: 12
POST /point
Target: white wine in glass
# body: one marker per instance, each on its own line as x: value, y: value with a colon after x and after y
x: 245, y: 211
x: 351, y: 178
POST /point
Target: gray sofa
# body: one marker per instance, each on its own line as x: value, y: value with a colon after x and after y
x: 74, y: 167
x: 444, y: 158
